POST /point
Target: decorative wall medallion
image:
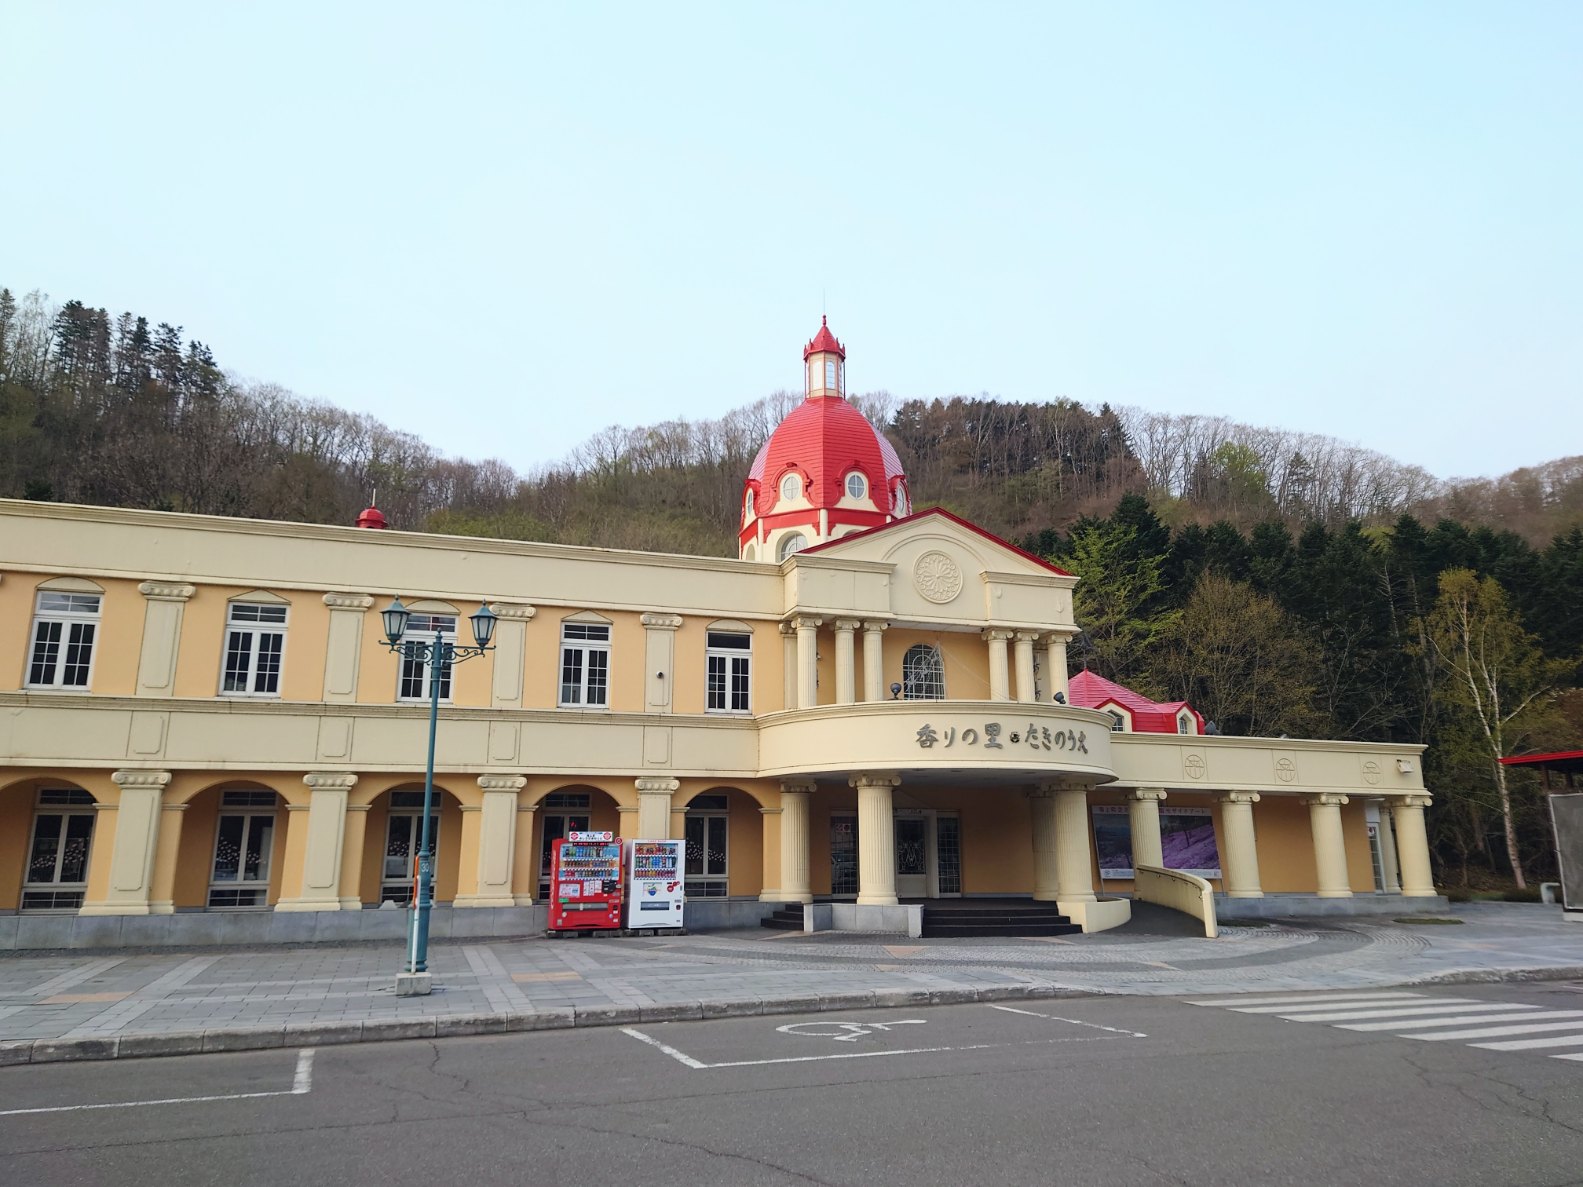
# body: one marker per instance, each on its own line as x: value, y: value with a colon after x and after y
x: 1194, y: 765
x: 937, y: 577
x: 1371, y: 772
x: 1285, y: 769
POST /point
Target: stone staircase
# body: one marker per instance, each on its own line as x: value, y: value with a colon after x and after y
x: 786, y: 917
x: 995, y: 917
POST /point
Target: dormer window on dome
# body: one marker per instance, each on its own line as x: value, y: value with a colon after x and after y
x: 856, y: 485
x: 791, y: 486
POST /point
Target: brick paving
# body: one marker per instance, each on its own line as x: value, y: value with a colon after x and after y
x: 58, y: 1005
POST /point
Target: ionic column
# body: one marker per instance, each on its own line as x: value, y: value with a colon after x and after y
x: 1330, y: 847
x: 999, y: 678
x: 845, y: 661
x: 654, y: 807
x: 1412, y: 845
x: 789, y: 663
x: 156, y: 665
x: 135, y: 837
x: 1143, y: 813
x: 167, y: 854
x: 1022, y: 651
x: 807, y: 661
x: 876, y: 840
x: 524, y: 875
x: 323, y: 848
x: 496, y: 842
x: 874, y: 660
x: 1388, y: 868
x: 344, y: 645
x: 1055, y: 667
x: 1240, y: 859
x: 795, y: 885
x: 1041, y: 809
x: 659, y: 659
x: 511, y: 639
x: 1074, y: 862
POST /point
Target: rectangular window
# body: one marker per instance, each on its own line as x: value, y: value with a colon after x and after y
x: 255, y: 637
x: 403, y: 839
x: 557, y: 825
x: 57, y: 869
x: 415, y: 670
x: 63, y: 637
x: 843, y: 855
x: 242, y: 846
x: 729, y: 662
x: 585, y: 665
x: 705, y: 849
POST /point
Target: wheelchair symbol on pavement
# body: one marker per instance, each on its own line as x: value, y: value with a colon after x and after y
x: 843, y: 1032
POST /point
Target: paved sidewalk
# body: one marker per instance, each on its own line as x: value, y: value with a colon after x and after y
x: 114, y: 1004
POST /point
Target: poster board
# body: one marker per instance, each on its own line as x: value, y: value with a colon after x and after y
x: 1187, y: 839
x: 1566, y: 818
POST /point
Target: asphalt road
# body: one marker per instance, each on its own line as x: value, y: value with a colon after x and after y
x: 1109, y: 1091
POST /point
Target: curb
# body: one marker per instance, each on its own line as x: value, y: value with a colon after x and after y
x: 1498, y: 976
x: 445, y: 1026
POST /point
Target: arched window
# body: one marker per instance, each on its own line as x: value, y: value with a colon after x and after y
x: 791, y: 486
x: 795, y: 542
x: 922, y: 674
x: 856, y: 485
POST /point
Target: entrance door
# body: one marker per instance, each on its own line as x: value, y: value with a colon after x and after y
x: 913, y: 856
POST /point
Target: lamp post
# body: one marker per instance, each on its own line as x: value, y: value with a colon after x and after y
x: 440, y: 656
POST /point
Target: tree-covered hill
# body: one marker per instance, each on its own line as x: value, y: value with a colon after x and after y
x: 1285, y: 583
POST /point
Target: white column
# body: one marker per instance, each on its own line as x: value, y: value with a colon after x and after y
x: 1055, y: 680
x: 326, y: 843
x: 1412, y: 845
x: 874, y: 660
x: 789, y: 663
x: 807, y: 661
x: 343, y: 648
x: 845, y: 661
x: 659, y: 660
x: 511, y: 642
x: 496, y: 842
x: 1041, y: 809
x: 795, y: 886
x: 876, y: 840
x: 136, y: 839
x: 1074, y: 862
x: 999, y: 678
x: 1391, y: 875
x: 156, y: 665
x: 1143, y: 813
x: 1240, y: 859
x: 1330, y: 849
x: 1022, y: 649
x: 654, y: 808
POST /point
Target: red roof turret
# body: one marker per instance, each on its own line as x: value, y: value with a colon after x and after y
x: 824, y: 340
x: 372, y: 517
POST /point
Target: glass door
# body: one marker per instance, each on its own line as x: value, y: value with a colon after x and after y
x: 912, y: 856
x: 403, y: 835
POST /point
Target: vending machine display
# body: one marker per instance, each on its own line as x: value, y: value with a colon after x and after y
x: 656, y: 889
x: 585, y: 882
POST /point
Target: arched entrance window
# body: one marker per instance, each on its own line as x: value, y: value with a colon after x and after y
x: 244, y: 838
x: 707, y: 827
x: 57, y: 868
x: 922, y: 674
x: 403, y: 837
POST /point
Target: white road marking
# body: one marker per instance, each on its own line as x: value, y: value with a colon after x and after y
x: 1405, y: 1012
x: 1531, y: 1044
x: 1136, y: 1034
x: 1317, y: 1007
x: 1494, y: 1032
x: 1299, y: 999
x: 1578, y: 1056
x: 844, y: 1032
x: 684, y: 1060
x: 301, y: 1084
x: 1463, y: 1020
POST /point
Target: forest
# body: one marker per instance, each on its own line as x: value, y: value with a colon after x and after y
x: 1287, y: 584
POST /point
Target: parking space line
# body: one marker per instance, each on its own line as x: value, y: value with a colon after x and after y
x: 301, y: 1085
x: 1135, y: 1034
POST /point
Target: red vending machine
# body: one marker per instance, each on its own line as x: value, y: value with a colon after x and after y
x: 585, y: 882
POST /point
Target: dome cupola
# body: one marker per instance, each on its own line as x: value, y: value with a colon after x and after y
x: 824, y: 472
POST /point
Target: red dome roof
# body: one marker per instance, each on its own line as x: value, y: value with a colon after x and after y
x: 372, y: 517
x: 823, y: 340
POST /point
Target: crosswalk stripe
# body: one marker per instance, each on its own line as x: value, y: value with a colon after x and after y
x: 1492, y: 1032
x: 1317, y: 1008
x: 1461, y: 1020
x: 1576, y: 1055
x: 1404, y: 1012
x: 1532, y: 1044
x: 1291, y: 1000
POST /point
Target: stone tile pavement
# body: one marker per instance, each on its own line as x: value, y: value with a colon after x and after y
x: 109, y: 1004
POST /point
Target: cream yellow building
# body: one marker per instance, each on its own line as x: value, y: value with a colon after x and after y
x: 202, y: 736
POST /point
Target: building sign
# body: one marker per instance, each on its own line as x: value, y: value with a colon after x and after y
x: 993, y: 737
x: 585, y: 836
x: 1187, y: 839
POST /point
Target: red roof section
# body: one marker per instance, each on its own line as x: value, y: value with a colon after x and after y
x: 823, y: 340
x: 372, y: 517
x: 942, y: 513
x: 1089, y: 691
x: 1558, y: 757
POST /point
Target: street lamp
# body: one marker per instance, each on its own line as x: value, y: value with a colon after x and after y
x: 440, y: 656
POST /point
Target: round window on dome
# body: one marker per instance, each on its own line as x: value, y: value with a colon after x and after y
x: 747, y: 504
x: 791, y: 486
x: 856, y: 486
x: 795, y: 542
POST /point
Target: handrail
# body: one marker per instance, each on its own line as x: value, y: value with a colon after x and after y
x: 1178, y: 890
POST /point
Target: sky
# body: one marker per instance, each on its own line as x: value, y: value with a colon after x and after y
x: 505, y: 227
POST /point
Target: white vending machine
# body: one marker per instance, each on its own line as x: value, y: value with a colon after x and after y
x: 656, y: 884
